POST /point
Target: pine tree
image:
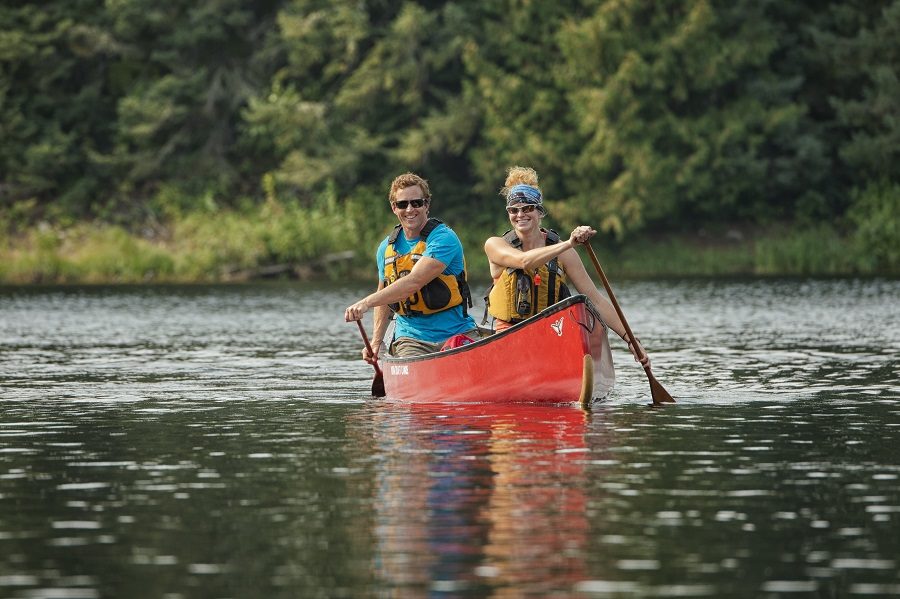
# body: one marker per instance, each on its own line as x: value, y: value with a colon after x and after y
x: 186, y: 70
x: 683, y: 118
x: 56, y: 109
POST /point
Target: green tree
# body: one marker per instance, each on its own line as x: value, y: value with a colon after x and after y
x: 56, y: 109
x: 184, y: 72
x: 867, y: 61
x: 517, y: 77
x: 367, y: 90
x: 659, y: 115
x: 683, y: 118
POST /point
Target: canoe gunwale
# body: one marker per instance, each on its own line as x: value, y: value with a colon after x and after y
x: 481, y: 343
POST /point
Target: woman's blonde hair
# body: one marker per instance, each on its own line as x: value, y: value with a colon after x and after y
x: 519, y: 175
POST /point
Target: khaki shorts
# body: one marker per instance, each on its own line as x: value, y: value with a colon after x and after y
x: 407, y: 347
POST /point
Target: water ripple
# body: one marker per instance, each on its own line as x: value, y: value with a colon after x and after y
x: 159, y: 440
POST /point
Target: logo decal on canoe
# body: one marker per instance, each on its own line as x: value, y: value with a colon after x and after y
x: 557, y: 326
x: 399, y: 370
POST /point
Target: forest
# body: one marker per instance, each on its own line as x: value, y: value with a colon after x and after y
x: 214, y: 140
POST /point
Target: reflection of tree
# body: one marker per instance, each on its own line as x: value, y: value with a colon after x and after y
x: 479, y: 498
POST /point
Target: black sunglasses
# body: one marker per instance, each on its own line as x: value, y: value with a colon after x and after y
x: 514, y: 210
x: 417, y: 203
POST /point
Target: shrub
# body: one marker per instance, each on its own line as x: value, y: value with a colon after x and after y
x: 818, y: 250
x: 875, y: 214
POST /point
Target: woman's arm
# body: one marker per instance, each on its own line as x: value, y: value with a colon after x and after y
x: 582, y: 282
x: 503, y: 255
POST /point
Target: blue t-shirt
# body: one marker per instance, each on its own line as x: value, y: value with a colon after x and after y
x: 442, y: 245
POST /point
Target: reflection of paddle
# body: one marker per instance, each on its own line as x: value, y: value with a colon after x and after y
x: 659, y: 394
x: 378, y: 381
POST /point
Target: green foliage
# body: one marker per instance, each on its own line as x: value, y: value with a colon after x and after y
x: 804, y: 252
x: 210, y: 244
x: 517, y: 77
x: 53, y: 105
x: 38, y: 263
x: 368, y: 91
x: 641, y: 117
x: 681, y: 256
x: 84, y: 254
x: 875, y: 213
x: 871, y: 112
x: 297, y: 237
x: 112, y: 254
x: 179, y: 113
x: 683, y: 118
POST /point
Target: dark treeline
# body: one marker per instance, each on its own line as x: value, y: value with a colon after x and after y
x: 641, y: 116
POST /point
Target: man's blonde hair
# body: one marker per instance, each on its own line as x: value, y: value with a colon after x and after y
x: 408, y: 180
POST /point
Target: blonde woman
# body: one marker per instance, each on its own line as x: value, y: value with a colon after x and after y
x: 532, y: 267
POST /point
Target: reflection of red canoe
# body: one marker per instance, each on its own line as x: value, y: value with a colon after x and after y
x: 560, y: 355
x: 491, y: 496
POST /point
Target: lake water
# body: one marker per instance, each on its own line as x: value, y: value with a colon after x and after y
x: 220, y: 442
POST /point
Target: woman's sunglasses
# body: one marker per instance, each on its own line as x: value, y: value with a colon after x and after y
x: 417, y: 203
x: 514, y: 210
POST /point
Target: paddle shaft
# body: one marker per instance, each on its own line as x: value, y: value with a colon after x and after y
x: 659, y: 394
x: 378, y: 381
x: 609, y: 291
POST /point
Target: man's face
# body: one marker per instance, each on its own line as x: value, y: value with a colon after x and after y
x: 412, y: 218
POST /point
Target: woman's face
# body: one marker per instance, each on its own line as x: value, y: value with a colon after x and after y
x: 524, y: 217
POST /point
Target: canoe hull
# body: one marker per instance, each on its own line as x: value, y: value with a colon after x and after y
x: 558, y: 356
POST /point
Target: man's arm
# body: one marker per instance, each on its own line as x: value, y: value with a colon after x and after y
x: 382, y: 318
x: 425, y: 270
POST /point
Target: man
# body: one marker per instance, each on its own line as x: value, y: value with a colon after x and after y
x: 422, y: 278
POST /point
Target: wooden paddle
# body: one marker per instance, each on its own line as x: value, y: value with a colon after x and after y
x: 378, y: 381
x: 659, y: 394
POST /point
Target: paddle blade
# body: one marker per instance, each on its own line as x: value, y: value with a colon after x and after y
x: 659, y: 394
x: 378, y: 384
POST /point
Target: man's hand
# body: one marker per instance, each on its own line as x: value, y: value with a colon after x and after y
x: 356, y: 311
x: 372, y: 358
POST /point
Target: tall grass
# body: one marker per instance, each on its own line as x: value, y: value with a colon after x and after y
x: 819, y: 250
x: 82, y: 253
x: 876, y: 216
x: 321, y: 240
x: 331, y: 240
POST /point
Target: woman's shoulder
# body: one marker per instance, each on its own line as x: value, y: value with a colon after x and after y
x: 496, y: 241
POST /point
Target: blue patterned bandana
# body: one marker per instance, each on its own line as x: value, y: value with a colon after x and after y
x: 525, y: 194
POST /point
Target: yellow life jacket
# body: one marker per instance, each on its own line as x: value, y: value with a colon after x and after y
x: 518, y: 294
x: 441, y: 293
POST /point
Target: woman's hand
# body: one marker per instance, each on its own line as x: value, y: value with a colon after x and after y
x: 581, y: 234
x: 638, y: 351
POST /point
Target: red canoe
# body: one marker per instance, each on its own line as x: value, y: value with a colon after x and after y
x: 558, y: 356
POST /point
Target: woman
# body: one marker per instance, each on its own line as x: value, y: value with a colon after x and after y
x: 533, y: 267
